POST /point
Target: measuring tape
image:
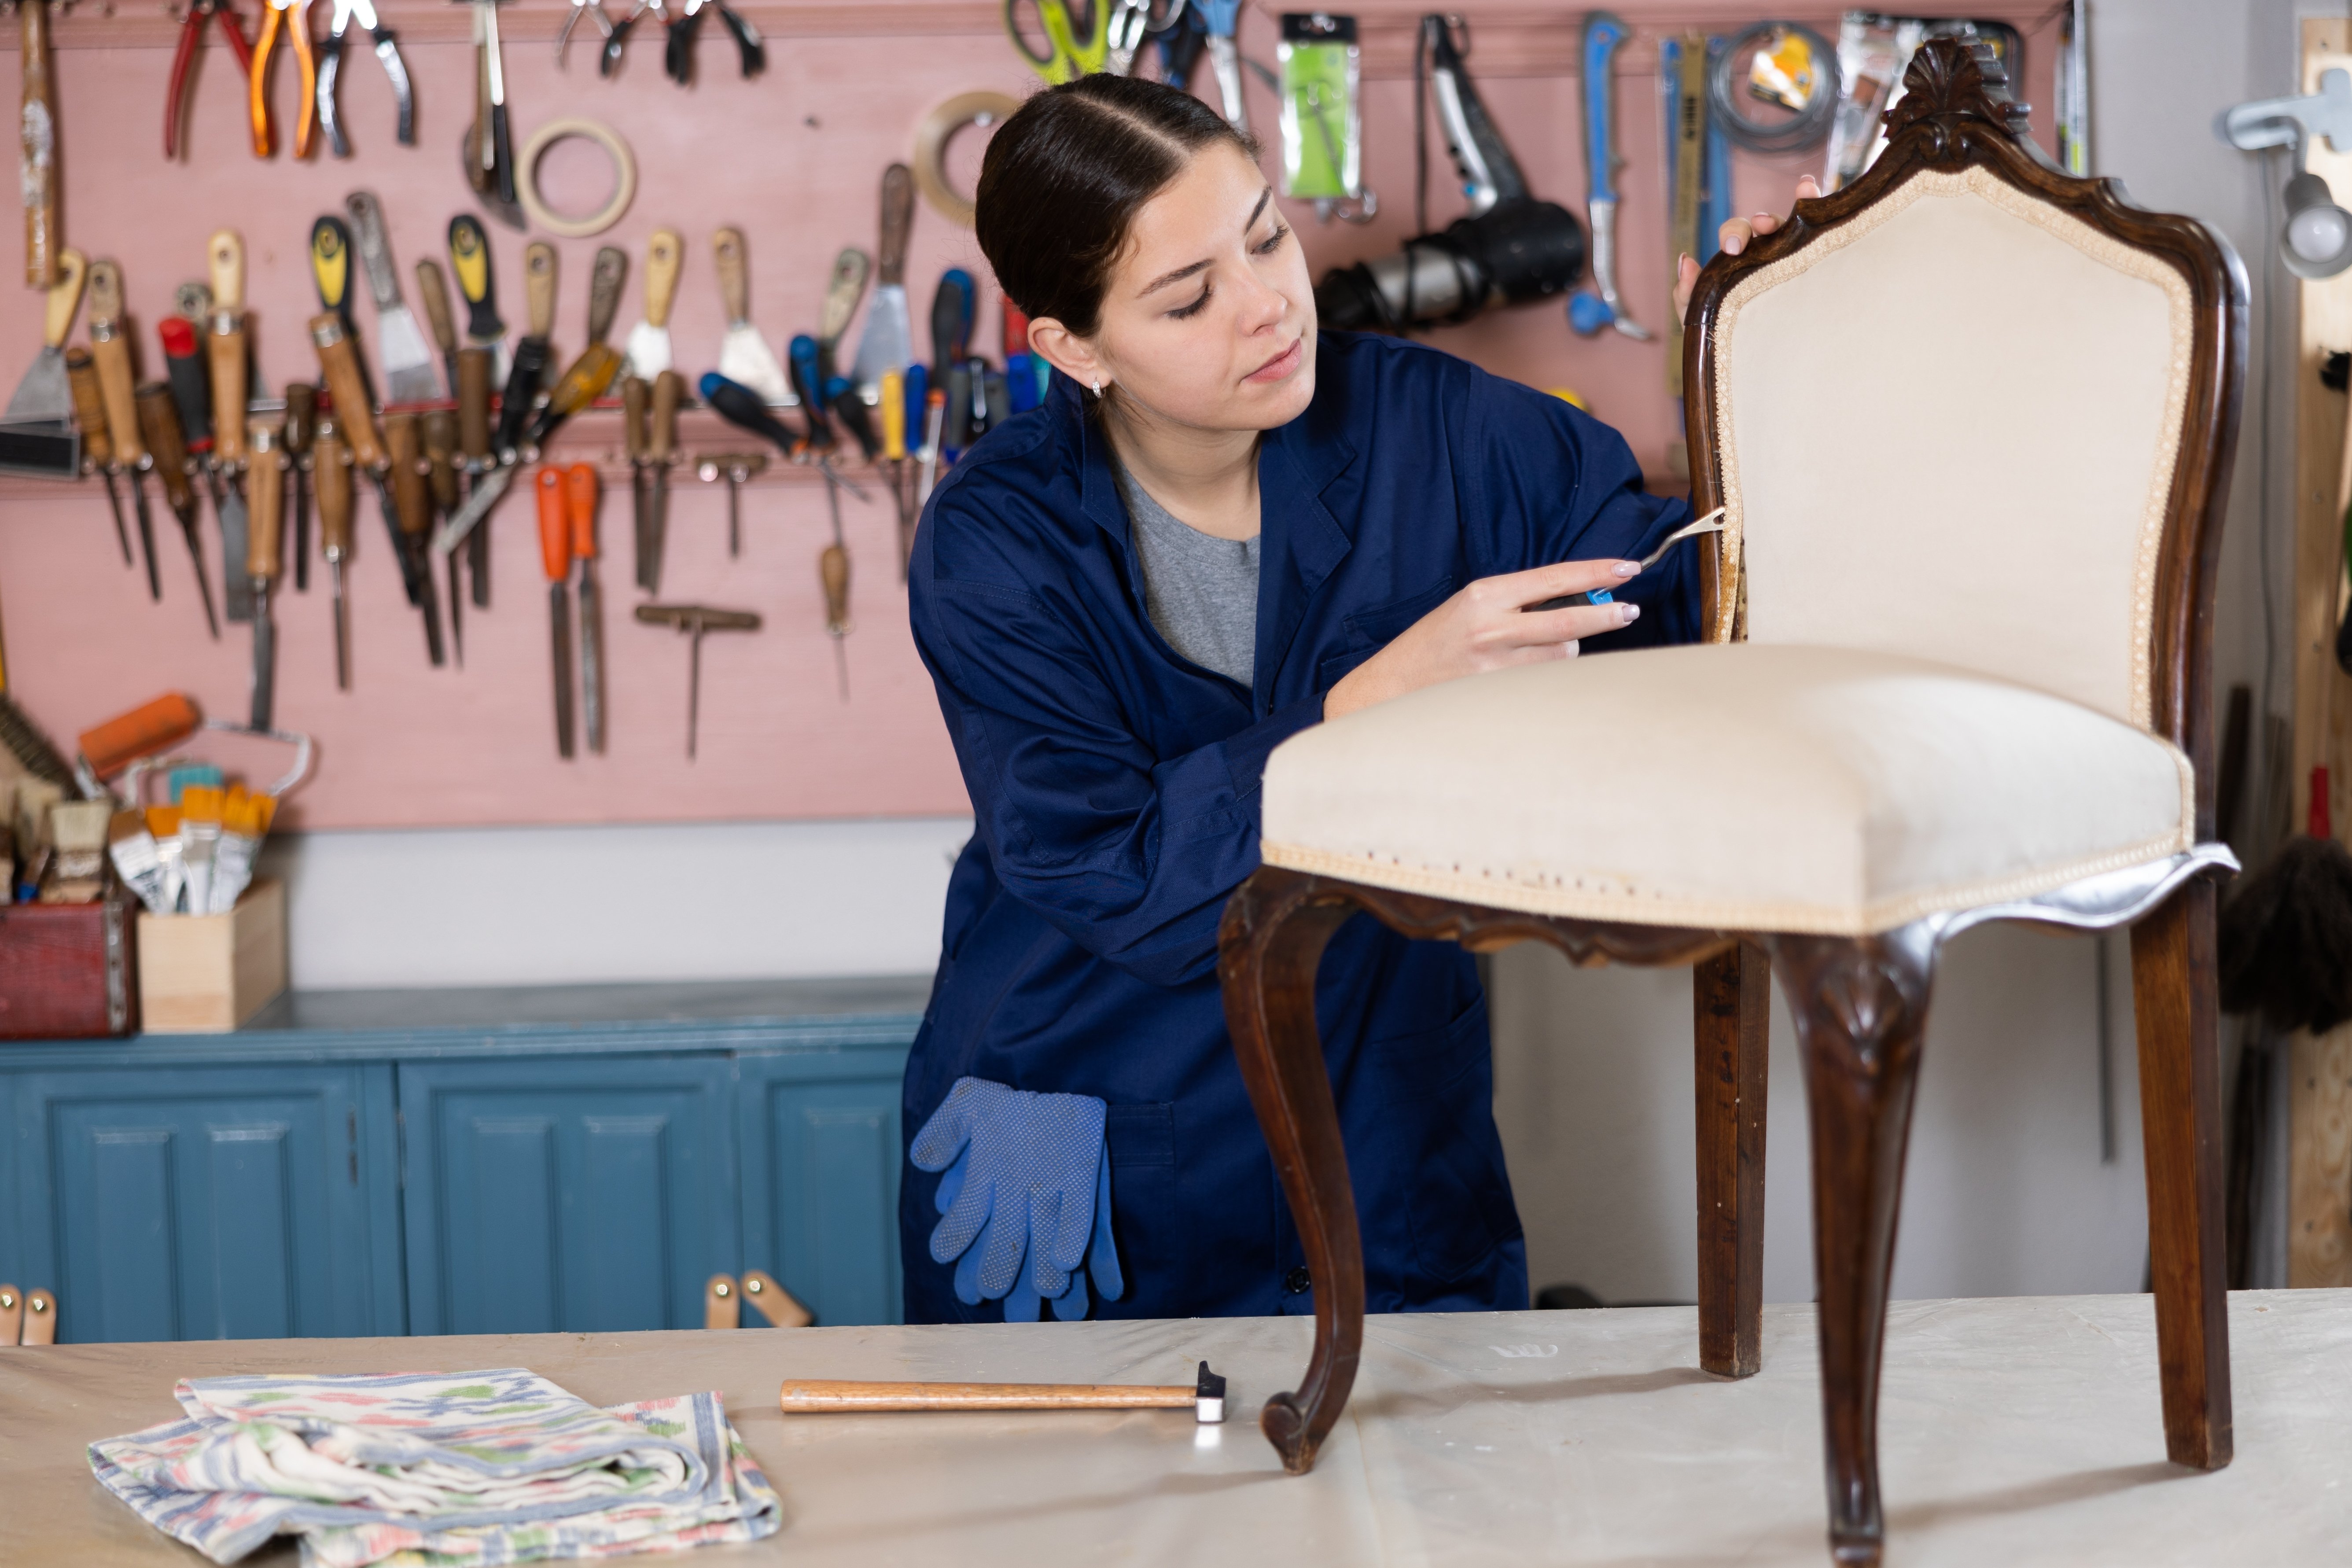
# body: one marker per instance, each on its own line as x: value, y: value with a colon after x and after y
x: 625, y: 177
x: 983, y: 108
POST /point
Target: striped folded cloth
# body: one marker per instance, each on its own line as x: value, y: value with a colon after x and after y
x: 417, y: 1468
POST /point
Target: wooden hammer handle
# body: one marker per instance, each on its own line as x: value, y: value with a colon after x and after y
x: 802, y: 1397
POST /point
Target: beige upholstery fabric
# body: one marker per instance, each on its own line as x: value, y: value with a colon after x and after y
x: 1740, y: 786
x: 1948, y: 429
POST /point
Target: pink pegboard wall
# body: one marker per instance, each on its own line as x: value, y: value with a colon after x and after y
x: 793, y: 158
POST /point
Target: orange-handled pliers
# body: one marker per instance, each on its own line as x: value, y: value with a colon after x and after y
x: 295, y: 14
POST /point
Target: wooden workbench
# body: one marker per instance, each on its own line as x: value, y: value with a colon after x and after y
x: 2022, y: 1431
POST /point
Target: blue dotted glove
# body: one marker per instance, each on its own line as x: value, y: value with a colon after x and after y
x: 1028, y: 1179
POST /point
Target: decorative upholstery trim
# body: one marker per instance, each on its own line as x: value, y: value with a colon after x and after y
x: 1981, y: 181
x: 1602, y: 896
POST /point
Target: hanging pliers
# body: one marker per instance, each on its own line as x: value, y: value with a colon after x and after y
x: 608, y: 59
x: 330, y: 66
x: 593, y: 7
x: 679, y: 48
x: 293, y: 16
x: 191, y: 31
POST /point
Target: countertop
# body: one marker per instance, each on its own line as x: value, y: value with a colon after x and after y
x: 2021, y: 1432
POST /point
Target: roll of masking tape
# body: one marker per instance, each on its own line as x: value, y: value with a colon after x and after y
x: 624, y: 178
x: 983, y: 108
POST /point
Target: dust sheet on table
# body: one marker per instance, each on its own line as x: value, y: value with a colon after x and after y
x: 2021, y: 1432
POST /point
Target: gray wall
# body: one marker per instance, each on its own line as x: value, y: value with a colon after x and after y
x: 2006, y: 1192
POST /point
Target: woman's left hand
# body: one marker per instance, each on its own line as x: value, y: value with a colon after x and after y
x: 1733, y: 236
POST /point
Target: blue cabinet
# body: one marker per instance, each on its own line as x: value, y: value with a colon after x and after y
x: 581, y: 1159
x: 821, y: 1157
x: 237, y: 1202
x: 579, y: 1195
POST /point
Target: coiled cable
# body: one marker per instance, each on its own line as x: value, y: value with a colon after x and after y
x: 1807, y: 126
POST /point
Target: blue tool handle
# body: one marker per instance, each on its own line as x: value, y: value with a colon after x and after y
x: 809, y: 389
x: 917, y: 384
x: 739, y: 406
x: 1220, y: 16
x: 1604, y: 35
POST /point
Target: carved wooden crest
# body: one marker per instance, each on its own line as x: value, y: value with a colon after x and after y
x: 1957, y: 78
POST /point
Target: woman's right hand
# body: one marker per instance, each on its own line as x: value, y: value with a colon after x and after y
x: 1486, y: 626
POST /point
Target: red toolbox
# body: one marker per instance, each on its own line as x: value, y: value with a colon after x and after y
x: 68, y: 971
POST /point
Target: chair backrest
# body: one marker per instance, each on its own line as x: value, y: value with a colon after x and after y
x: 1972, y: 409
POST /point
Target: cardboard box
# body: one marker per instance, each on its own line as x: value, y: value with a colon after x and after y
x: 65, y: 970
x: 209, y: 973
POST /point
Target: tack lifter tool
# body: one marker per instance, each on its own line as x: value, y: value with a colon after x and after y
x: 159, y: 427
x: 294, y: 438
x: 192, y: 34
x: 694, y: 620
x: 330, y: 463
x: 110, y: 352
x: 331, y: 69
x: 1205, y: 1398
x: 1711, y: 523
x: 1604, y: 35
x: 292, y: 16
x: 555, y: 553
x: 265, y: 469
x: 96, y: 448
x: 581, y: 491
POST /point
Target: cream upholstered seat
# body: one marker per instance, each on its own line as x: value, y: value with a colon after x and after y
x: 1868, y: 790
x: 1971, y: 422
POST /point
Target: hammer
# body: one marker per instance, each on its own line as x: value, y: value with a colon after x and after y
x: 1206, y: 1397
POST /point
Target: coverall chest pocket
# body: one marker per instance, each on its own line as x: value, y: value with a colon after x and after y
x: 1371, y: 630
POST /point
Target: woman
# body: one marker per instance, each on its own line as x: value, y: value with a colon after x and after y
x: 1223, y: 528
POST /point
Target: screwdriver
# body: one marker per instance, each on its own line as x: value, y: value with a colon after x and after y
x: 579, y: 497
x: 555, y: 551
x: 294, y: 442
x: 265, y: 472
x: 330, y: 466
x: 97, y: 451
x: 159, y: 427
x: 694, y: 620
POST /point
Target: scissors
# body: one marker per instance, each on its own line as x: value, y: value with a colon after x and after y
x: 1068, y: 57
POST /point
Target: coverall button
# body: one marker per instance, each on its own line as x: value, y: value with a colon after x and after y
x: 1298, y: 1281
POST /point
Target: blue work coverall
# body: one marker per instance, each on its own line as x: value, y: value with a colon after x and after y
x: 1116, y: 789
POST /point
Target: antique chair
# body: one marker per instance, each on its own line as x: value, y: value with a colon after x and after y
x: 1971, y: 420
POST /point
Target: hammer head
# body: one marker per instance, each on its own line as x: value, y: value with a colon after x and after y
x: 1209, y: 1397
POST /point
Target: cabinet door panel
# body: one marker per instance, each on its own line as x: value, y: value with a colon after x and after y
x: 822, y: 1147
x: 567, y: 1195
x: 198, y: 1204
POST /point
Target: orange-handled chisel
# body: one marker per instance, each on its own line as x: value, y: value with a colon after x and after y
x: 581, y: 491
x: 555, y: 551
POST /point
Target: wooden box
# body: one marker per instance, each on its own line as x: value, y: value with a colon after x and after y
x: 206, y: 974
x: 65, y: 970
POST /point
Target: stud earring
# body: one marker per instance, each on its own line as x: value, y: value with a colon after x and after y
x: 1097, y: 388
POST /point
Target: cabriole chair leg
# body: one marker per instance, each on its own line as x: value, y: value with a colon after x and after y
x: 1270, y: 942
x: 1731, y: 997
x: 2174, y: 996
x: 1860, y: 1005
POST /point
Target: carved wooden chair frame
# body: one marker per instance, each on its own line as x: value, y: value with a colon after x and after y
x: 1859, y: 1004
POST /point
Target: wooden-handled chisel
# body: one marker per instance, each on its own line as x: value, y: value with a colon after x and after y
x: 265, y: 467
x: 661, y: 453
x: 580, y: 495
x: 475, y: 365
x: 110, y: 350
x: 636, y: 401
x: 411, y: 507
x: 338, y: 367
x: 539, y: 279
x: 1204, y: 1397
x: 294, y: 439
x: 432, y: 287
x: 97, y: 447
x: 555, y: 551
x: 159, y: 428
x: 581, y: 385
x: 330, y: 465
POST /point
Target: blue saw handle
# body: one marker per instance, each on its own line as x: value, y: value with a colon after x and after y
x: 1604, y: 35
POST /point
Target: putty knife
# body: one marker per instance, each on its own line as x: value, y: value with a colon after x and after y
x: 399, y: 341
x: 888, y: 342
x: 36, y: 432
x: 647, y: 353
x: 744, y: 356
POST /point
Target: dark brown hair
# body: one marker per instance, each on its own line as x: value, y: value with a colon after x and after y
x: 1064, y: 177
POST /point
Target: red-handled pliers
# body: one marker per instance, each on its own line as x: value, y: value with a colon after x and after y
x: 191, y: 29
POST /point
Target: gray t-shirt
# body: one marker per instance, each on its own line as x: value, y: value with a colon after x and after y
x: 1201, y: 591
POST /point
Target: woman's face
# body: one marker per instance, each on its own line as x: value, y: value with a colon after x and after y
x: 1209, y: 321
